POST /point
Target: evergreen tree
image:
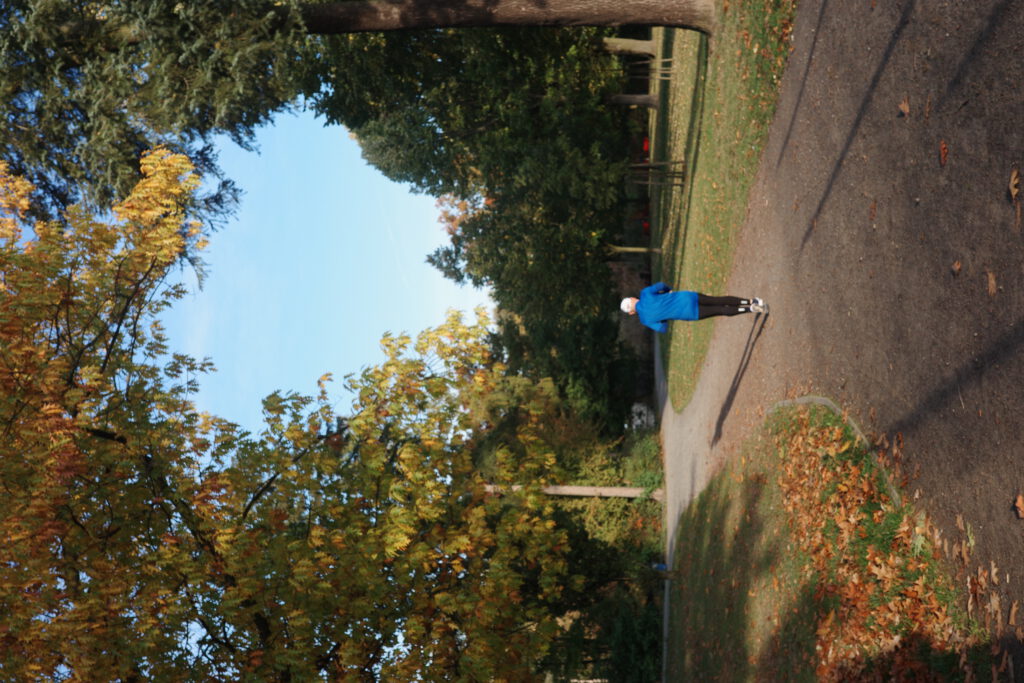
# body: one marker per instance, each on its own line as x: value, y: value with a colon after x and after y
x: 85, y: 87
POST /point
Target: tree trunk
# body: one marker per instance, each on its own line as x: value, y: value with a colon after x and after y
x: 586, y: 491
x: 352, y: 16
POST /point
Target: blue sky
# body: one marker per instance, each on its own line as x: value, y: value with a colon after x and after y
x: 324, y: 256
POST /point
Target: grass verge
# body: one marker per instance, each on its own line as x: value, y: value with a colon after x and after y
x: 798, y: 563
x: 713, y: 116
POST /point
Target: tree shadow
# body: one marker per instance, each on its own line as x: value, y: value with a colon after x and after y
x: 791, y: 654
x: 691, y: 155
x: 746, y: 604
x: 996, y: 19
x: 662, y: 196
x: 967, y: 374
x: 722, y: 551
x: 897, y: 33
x: 755, y: 333
x: 803, y: 85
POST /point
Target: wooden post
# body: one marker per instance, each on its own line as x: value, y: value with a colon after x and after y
x: 616, y: 249
x: 586, y: 491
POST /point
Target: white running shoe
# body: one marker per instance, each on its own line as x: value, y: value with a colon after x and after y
x: 759, y: 306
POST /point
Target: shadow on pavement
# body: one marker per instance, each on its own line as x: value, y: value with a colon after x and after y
x: 897, y: 33
x: 803, y: 85
x: 996, y: 18
x: 755, y: 333
x: 724, y: 552
x: 967, y: 374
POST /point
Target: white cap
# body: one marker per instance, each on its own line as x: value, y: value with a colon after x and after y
x: 627, y: 305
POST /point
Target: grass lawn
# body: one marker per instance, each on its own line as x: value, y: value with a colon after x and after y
x: 714, y: 114
x: 799, y: 563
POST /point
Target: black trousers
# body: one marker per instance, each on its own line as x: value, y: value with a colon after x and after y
x: 710, y: 306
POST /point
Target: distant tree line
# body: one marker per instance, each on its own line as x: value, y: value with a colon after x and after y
x: 529, y: 159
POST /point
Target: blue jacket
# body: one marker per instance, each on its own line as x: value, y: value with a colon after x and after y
x: 659, y: 303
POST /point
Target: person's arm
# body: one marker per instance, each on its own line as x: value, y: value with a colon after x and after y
x: 660, y: 327
x: 658, y: 288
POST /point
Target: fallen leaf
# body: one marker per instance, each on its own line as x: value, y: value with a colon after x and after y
x: 960, y: 522
x: 995, y: 609
x: 1018, y: 505
x: 872, y: 211
x: 943, y: 152
x: 1014, y: 184
x: 1013, y: 613
x: 991, y: 283
x: 905, y: 106
x: 956, y: 267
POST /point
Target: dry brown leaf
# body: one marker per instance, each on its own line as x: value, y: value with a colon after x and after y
x: 943, y: 152
x: 995, y: 608
x: 956, y: 267
x: 1018, y: 505
x: 1013, y: 613
x: 960, y: 522
x: 905, y: 106
x: 991, y: 283
x: 1014, y: 184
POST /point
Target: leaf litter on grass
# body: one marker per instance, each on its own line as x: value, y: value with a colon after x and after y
x: 886, y: 603
x: 803, y: 559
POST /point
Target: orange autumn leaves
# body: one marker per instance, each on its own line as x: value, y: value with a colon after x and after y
x: 874, y: 572
x: 144, y: 539
x: 76, y: 299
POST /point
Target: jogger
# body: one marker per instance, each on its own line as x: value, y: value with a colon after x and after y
x: 658, y: 304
